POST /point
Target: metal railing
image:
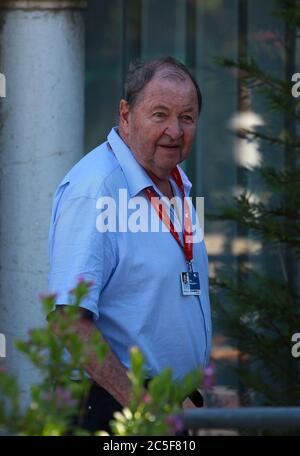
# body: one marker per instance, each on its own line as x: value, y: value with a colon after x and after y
x: 258, y: 418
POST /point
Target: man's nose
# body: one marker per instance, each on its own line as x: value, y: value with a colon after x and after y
x: 174, y: 129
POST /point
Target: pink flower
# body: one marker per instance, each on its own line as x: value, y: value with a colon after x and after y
x: 175, y: 423
x: 147, y: 398
x: 83, y: 281
x: 208, y: 379
x: 65, y: 396
x: 52, y: 296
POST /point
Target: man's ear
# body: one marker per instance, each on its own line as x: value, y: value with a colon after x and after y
x: 124, y: 113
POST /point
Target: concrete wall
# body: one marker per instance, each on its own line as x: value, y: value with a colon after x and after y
x: 41, y: 137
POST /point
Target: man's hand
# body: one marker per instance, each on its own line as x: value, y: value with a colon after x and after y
x: 110, y: 374
x: 188, y: 404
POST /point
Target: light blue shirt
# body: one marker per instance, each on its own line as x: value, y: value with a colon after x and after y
x: 136, y: 298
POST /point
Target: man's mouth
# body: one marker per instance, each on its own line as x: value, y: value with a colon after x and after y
x: 170, y: 146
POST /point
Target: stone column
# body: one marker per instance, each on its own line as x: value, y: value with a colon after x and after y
x: 41, y: 137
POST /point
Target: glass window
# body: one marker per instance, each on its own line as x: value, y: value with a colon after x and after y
x: 196, y: 32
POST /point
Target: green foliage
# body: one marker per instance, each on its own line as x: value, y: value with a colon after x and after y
x: 259, y: 309
x: 156, y: 411
x: 56, y: 399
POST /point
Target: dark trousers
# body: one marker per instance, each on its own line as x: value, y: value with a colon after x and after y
x: 98, y: 408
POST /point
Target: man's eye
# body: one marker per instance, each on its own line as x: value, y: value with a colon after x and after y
x: 160, y: 115
x: 187, y: 118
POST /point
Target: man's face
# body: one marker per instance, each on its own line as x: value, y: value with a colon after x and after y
x: 161, y: 126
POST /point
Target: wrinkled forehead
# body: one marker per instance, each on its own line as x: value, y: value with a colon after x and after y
x: 172, y: 74
x: 168, y: 80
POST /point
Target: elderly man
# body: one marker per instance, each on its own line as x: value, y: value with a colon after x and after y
x: 140, y: 294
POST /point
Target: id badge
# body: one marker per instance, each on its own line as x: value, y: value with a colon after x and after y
x: 190, y: 283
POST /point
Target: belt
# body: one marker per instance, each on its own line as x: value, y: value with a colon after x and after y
x: 195, y: 396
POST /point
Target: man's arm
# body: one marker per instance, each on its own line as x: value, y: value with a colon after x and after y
x: 110, y: 374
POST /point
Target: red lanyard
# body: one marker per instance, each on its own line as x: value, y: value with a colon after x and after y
x: 187, y: 233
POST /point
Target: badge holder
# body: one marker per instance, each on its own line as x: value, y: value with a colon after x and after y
x: 190, y: 282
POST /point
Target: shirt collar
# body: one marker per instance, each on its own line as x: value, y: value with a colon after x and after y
x: 135, y: 175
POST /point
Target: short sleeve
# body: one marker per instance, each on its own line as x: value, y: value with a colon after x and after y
x: 79, y: 250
